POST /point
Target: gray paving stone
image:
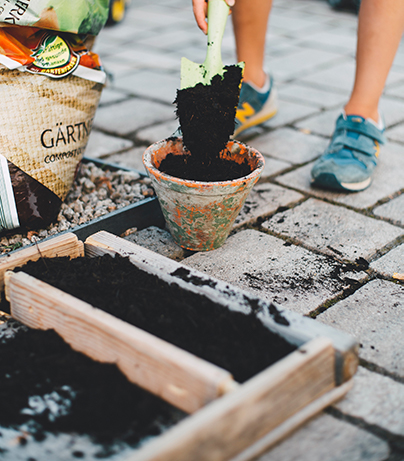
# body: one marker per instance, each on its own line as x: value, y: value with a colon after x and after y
x: 296, y: 92
x: 292, y: 23
x: 393, y: 210
x: 100, y: 144
x: 109, y: 96
x: 130, y: 115
x: 341, y: 76
x: 392, y: 110
x: 396, y: 133
x: 333, y: 230
x: 140, y: 58
x: 396, y: 90
x: 156, y: 85
x: 274, y: 166
x: 263, y: 200
x: 157, y: 131
x: 377, y: 400
x: 338, y: 40
x: 290, y: 145
x: 374, y: 316
x: 301, y: 63
x: 390, y: 166
x: 290, y: 112
x: 131, y: 158
x: 391, y: 263
x: 159, y: 241
x: 328, y: 439
x: 322, y: 123
x: 293, y: 277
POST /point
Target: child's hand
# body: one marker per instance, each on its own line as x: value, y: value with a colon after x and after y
x: 200, y: 12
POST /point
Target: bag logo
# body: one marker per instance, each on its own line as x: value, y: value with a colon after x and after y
x: 53, y: 57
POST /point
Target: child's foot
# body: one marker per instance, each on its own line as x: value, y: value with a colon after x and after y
x: 255, y: 106
x: 351, y: 157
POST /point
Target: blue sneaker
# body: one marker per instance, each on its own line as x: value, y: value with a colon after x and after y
x: 255, y: 107
x: 351, y: 157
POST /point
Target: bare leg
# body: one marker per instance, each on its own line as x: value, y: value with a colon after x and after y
x: 381, y: 24
x: 250, y: 20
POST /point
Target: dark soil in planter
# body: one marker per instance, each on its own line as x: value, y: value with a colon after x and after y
x: 235, y: 341
x: 206, y: 114
x: 48, y: 387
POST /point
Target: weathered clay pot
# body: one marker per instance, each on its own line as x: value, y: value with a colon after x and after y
x: 200, y: 214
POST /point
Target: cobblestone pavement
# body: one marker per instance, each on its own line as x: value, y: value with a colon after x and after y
x: 289, y: 235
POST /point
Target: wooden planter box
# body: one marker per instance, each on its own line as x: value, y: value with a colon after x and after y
x: 228, y: 421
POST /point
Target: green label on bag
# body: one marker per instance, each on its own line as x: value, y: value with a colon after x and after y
x: 54, y: 57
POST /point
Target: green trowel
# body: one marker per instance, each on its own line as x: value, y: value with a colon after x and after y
x: 193, y: 73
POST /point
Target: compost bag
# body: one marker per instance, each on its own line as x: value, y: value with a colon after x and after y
x: 50, y: 85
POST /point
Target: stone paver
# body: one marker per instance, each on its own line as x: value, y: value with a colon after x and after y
x: 322, y: 99
x: 157, y: 132
x: 293, y: 277
x: 393, y: 210
x: 391, y: 263
x: 289, y: 113
x: 290, y: 145
x: 131, y: 158
x: 322, y: 123
x: 333, y: 230
x: 274, y: 166
x: 160, y: 86
x: 374, y: 316
x: 130, y: 115
x: 264, y: 200
x: 326, y: 438
x: 100, y: 144
x: 377, y: 400
x: 159, y: 241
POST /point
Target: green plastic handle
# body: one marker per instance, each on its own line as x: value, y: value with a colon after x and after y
x: 218, y: 12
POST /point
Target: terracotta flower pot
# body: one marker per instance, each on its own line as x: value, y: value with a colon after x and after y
x: 200, y: 214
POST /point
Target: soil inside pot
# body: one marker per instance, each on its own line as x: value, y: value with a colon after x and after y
x: 209, y: 170
x: 206, y: 114
x: 48, y: 387
x: 235, y: 341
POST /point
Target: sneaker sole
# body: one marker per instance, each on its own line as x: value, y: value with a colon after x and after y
x: 269, y: 110
x: 329, y: 181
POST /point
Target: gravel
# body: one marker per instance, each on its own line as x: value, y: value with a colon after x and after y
x: 95, y: 193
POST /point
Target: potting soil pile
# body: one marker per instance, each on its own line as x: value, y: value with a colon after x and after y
x: 235, y: 341
x: 46, y: 387
x: 50, y: 86
x: 206, y: 114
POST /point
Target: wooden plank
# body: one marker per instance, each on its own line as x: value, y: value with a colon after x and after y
x: 229, y: 425
x: 294, y: 422
x: 64, y: 245
x: 299, y: 330
x: 173, y: 374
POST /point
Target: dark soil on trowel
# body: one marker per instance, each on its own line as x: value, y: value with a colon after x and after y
x: 206, y: 114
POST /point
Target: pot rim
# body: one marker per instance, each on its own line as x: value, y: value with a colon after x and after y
x: 146, y: 158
